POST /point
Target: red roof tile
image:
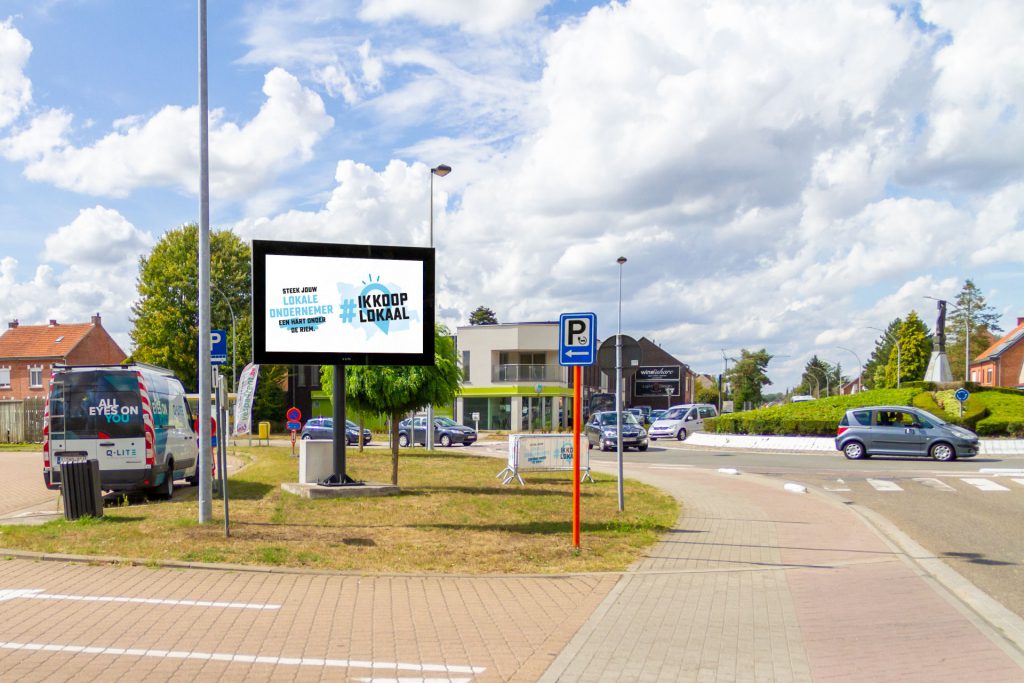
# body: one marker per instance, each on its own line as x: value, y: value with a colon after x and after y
x: 41, y: 341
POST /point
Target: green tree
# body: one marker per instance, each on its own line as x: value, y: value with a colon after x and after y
x: 915, y: 351
x: 271, y: 399
x: 483, y: 316
x: 820, y: 376
x: 972, y: 319
x: 707, y: 393
x: 165, y: 318
x: 748, y: 377
x: 874, y: 369
x: 395, y: 390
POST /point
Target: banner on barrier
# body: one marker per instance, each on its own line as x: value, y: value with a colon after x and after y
x: 543, y: 453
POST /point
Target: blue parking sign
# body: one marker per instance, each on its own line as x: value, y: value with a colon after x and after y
x: 218, y: 347
x: 577, y: 340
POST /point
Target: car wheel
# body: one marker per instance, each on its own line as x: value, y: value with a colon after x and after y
x: 306, y: 437
x: 641, y: 448
x: 446, y: 440
x: 653, y: 439
x: 681, y: 435
x: 854, y: 450
x: 942, y: 452
x: 403, y: 440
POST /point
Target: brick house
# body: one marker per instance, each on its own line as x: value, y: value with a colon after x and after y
x: 1002, y: 364
x: 28, y: 352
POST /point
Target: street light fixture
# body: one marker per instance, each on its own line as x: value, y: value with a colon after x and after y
x: 860, y: 381
x: 441, y: 170
x: 896, y: 343
x: 618, y: 384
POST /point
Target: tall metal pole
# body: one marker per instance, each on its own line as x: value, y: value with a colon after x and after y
x: 576, y: 400
x: 205, y: 456
x: 859, y: 366
x: 231, y: 310
x: 440, y: 170
x: 618, y: 387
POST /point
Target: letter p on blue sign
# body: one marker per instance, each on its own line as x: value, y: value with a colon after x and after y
x: 577, y: 344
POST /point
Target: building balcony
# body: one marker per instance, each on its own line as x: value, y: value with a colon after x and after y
x: 526, y: 373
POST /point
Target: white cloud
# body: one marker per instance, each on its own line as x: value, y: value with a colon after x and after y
x: 15, y: 87
x: 473, y: 17
x: 98, y: 237
x: 163, y: 150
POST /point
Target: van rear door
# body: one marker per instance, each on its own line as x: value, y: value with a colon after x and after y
x: 98, y: 414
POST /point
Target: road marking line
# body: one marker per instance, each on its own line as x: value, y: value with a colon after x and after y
x: 243, y: 659
x: 38, y: 594
x: 934, y: 484
x: 670, y: 467
x: 985, y: 484
x: 841, y: 486
x: 884, y: 485
x: 1019, y: 481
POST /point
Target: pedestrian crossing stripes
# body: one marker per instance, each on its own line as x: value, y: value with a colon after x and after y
x: 947, y: 485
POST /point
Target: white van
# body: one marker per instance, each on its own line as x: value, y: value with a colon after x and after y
x: 678, y: 421
x: 133, y: 419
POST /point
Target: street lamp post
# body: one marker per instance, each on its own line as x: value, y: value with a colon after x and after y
x: 232, y: 312
x: 618, y: 385
x: 896, y: 343
x: 816, y: 383
x: 441, y: 170
x: 860, y: 365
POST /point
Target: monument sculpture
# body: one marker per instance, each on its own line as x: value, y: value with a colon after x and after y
x: 938, y: 366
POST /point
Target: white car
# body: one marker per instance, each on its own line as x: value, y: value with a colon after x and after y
x: 680, y: 421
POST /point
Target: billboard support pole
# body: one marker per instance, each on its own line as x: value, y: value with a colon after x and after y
x: 340, y: 477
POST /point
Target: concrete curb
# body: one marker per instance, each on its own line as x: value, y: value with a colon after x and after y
x: 819, y: 444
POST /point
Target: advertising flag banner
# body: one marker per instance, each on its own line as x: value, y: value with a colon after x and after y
x: 244, y: 398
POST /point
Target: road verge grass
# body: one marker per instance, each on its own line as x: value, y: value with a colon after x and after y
x: 453, y: 516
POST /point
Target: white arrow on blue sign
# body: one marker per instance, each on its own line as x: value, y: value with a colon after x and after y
x: 218, y: 347
x: 577, y: 342
x: 962, y: 395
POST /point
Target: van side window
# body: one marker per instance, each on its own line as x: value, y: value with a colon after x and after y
x: 707, y: 412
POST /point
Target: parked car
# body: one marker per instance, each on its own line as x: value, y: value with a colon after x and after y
x: 323, y: 428
x: 655, y: 414
x: 901, y: 430
x: 639, y: 414
x: 680, y: 421
x: 447, y: 432
x: 601, y: 431
x: 799, y: 398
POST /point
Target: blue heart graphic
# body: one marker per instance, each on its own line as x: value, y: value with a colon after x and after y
x: 377, y: 287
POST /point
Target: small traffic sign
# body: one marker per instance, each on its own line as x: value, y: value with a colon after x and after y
x: 577, y: 343
x: 294, y: 425
x: 293, y: 414
x: 962, y: 395
x: 218, y: 347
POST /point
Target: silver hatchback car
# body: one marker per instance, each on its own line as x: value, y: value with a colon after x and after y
x: 902, y: 430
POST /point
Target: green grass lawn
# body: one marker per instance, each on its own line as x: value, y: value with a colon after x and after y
x: 453, y: 516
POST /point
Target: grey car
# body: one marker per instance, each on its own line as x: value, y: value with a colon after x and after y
x: 601, y: 431
x: 902, y: 430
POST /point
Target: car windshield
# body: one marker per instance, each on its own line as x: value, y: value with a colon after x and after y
x: 351, y: 425
x: 608, y: 419
x: 931, y: 418
x: 446, y: 422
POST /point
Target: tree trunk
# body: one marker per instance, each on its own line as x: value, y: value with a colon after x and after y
x: 394, y: 449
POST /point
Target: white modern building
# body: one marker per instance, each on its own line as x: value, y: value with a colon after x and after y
x: 511, y: 377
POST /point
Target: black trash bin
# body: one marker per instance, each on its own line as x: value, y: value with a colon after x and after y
x: 80, y: 485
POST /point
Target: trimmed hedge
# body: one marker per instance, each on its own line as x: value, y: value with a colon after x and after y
x: 988, y: 412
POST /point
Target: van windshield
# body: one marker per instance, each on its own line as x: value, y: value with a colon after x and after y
x: 96, y: 405
x: 675, y: 413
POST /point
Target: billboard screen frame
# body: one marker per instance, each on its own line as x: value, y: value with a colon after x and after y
x: 261, y: 249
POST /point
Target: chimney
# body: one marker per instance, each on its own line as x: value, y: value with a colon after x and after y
x: 96, y: 319
x: 13, y: 324
x: 53, y: 323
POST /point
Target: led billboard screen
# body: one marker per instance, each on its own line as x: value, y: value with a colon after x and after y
x: 342, y: 304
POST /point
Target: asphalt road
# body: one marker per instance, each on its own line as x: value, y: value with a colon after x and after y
x: 970, y: 519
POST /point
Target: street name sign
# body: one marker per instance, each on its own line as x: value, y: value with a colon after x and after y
x: 577, y: 344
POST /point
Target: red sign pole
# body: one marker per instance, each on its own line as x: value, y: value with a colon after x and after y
x: 576, y: 400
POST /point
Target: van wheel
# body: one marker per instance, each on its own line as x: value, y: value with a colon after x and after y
x: 681, y: 435
x: 165, y: 491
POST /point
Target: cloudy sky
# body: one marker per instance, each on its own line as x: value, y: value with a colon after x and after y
x: 779, y: 174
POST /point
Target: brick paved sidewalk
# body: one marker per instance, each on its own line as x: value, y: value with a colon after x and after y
x: 760, y: 584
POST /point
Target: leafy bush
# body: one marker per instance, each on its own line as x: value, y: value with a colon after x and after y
x: 1004, y: 412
